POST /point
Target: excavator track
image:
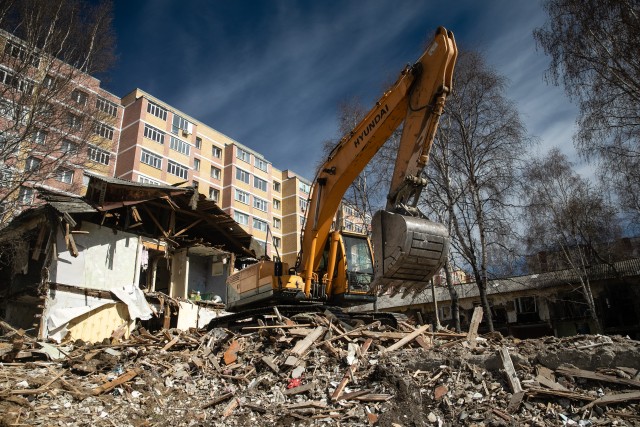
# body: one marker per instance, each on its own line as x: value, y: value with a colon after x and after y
x: 250, y: 317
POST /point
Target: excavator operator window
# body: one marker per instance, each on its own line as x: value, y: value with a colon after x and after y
x: 359, y: 263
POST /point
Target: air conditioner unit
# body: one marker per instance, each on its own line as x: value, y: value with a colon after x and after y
x: 188, y: 130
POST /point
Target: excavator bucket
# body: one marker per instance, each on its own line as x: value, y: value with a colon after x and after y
x: 408, y: 251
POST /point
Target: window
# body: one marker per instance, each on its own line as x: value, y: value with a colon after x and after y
x: 276, y: 186
x: 260, y: 184
x: 156, y: 110
x: 276, y: 204
x: 49, y: 82
x: 98, y: 155
x: 180, y: 146
x: 216, y: 152
x: 302, y: 221
x: 242, y: 176
x: 74, y: 122
x: 40, y: 136
x: 9, y: 78
x: 196, y: 164
x: 348, y: 225
x: 154, y: 134
x: 303, y: 204
x: 277, y: 242
x: 305, y: 188
x: 69, y: 147
x: 214, y: 194
x: 145, y: 180
x: 260, y: 164
x: 79, y: 97
x: 180, y: 124
x: 260, y: 204
x: 259, y: 224
x: 195, y: 184
x: 6, y: 177
x: 107, y: 106
x: 32, y: 164
x: 103, y: 130
x: 25, y: 196
x: 277, y: 223
x: 526, y: 305
x: 153, y: 160
x: 215, y: 172
x: 241, y: 218
x: 17, y: 51
x: 177, y: 169
x: 198, y: 142
x: 242, y: 196
x: 243, y: 155
x: 64, y: 175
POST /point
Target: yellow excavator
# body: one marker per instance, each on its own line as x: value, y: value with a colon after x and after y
x: 339, y: 268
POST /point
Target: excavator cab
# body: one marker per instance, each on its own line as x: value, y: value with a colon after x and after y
x: 408, y: 251
x: 359, y: 263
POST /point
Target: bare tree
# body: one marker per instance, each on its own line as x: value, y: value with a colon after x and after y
x: 593, y: 47
x: 567, y: 217
x: 484, y: 141
x: 52, y: 121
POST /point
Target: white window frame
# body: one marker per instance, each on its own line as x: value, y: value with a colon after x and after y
x: 64, y: 175
x: 180, y: 146
x: 99, y: 155
x: 32, y: 164
x: 260, y: 164
x: 260, y: 183
x: 216, y: 152
x: 68, y: 147
x: 243, y: 155
x: 215, y: 172
x: 277, y: 204
x: 260, y: 204
x: 242, y: 196
x: 107, y: 106
x: 304, y: 187
x: 145, y: 180
x: 156, y: 110
x: 79, y: 97
x: 153, y: 133
x: 277, y: 186
x: 175, y: 168
x: 103, y: 130
x: 151, y: 159
x: 277, y: 223
x: 241, y: 174
x: 241, y: 218
x: 40, y: 136
x: 214, y: 194
x: 259, y: 224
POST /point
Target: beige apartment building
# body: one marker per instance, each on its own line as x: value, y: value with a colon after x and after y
x: 162, y: 145
x: 55, y: 123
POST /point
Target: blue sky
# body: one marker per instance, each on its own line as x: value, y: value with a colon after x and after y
x: 271, y: 74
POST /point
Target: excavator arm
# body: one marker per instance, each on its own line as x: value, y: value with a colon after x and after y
x: 416, y: 99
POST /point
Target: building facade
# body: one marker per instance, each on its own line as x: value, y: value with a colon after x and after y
x: 162, y: 145
x: 55, y: 123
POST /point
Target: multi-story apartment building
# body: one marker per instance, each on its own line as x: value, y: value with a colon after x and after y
x: 160, y: 144
x: 55, y: 123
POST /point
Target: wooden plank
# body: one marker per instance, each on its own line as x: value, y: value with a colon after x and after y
x: 614, y: 398
x: 257, y: 328
x: 171, y: 343
x: 127, y: 376
x: 299, y: 389
x: 302, y: 345
x: 512, y: 377
x: 350, y: 371
x: 268, y: 360
x: 38, y: 246
x: 407, y: 339
x: 217, y: 400
x: 590, y: 375
x: 352, y: 332
x: 473, y: 327
x: 535, y: 391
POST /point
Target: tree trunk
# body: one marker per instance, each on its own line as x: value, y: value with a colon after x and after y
x: 482, y: 289
x: 453, y: 293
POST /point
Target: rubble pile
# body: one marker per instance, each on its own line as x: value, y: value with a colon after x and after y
x: 313, y: 369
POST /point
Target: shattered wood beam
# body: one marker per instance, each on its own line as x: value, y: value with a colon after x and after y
x: 38, y: 246
x: 155, y: 221
x: 407, y: 339
x: 127, y: 376
x: 473, y: 327
x: 581, y: 373
x: 303, y: 345
x: 351, y: 370
x: 187, y: 228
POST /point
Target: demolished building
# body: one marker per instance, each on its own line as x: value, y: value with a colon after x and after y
x: 87, y: 267
x: 537, y: 305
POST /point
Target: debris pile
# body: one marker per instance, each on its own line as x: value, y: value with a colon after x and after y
x: 314, y: 369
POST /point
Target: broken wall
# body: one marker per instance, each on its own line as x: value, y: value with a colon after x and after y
x: 107, y: 258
